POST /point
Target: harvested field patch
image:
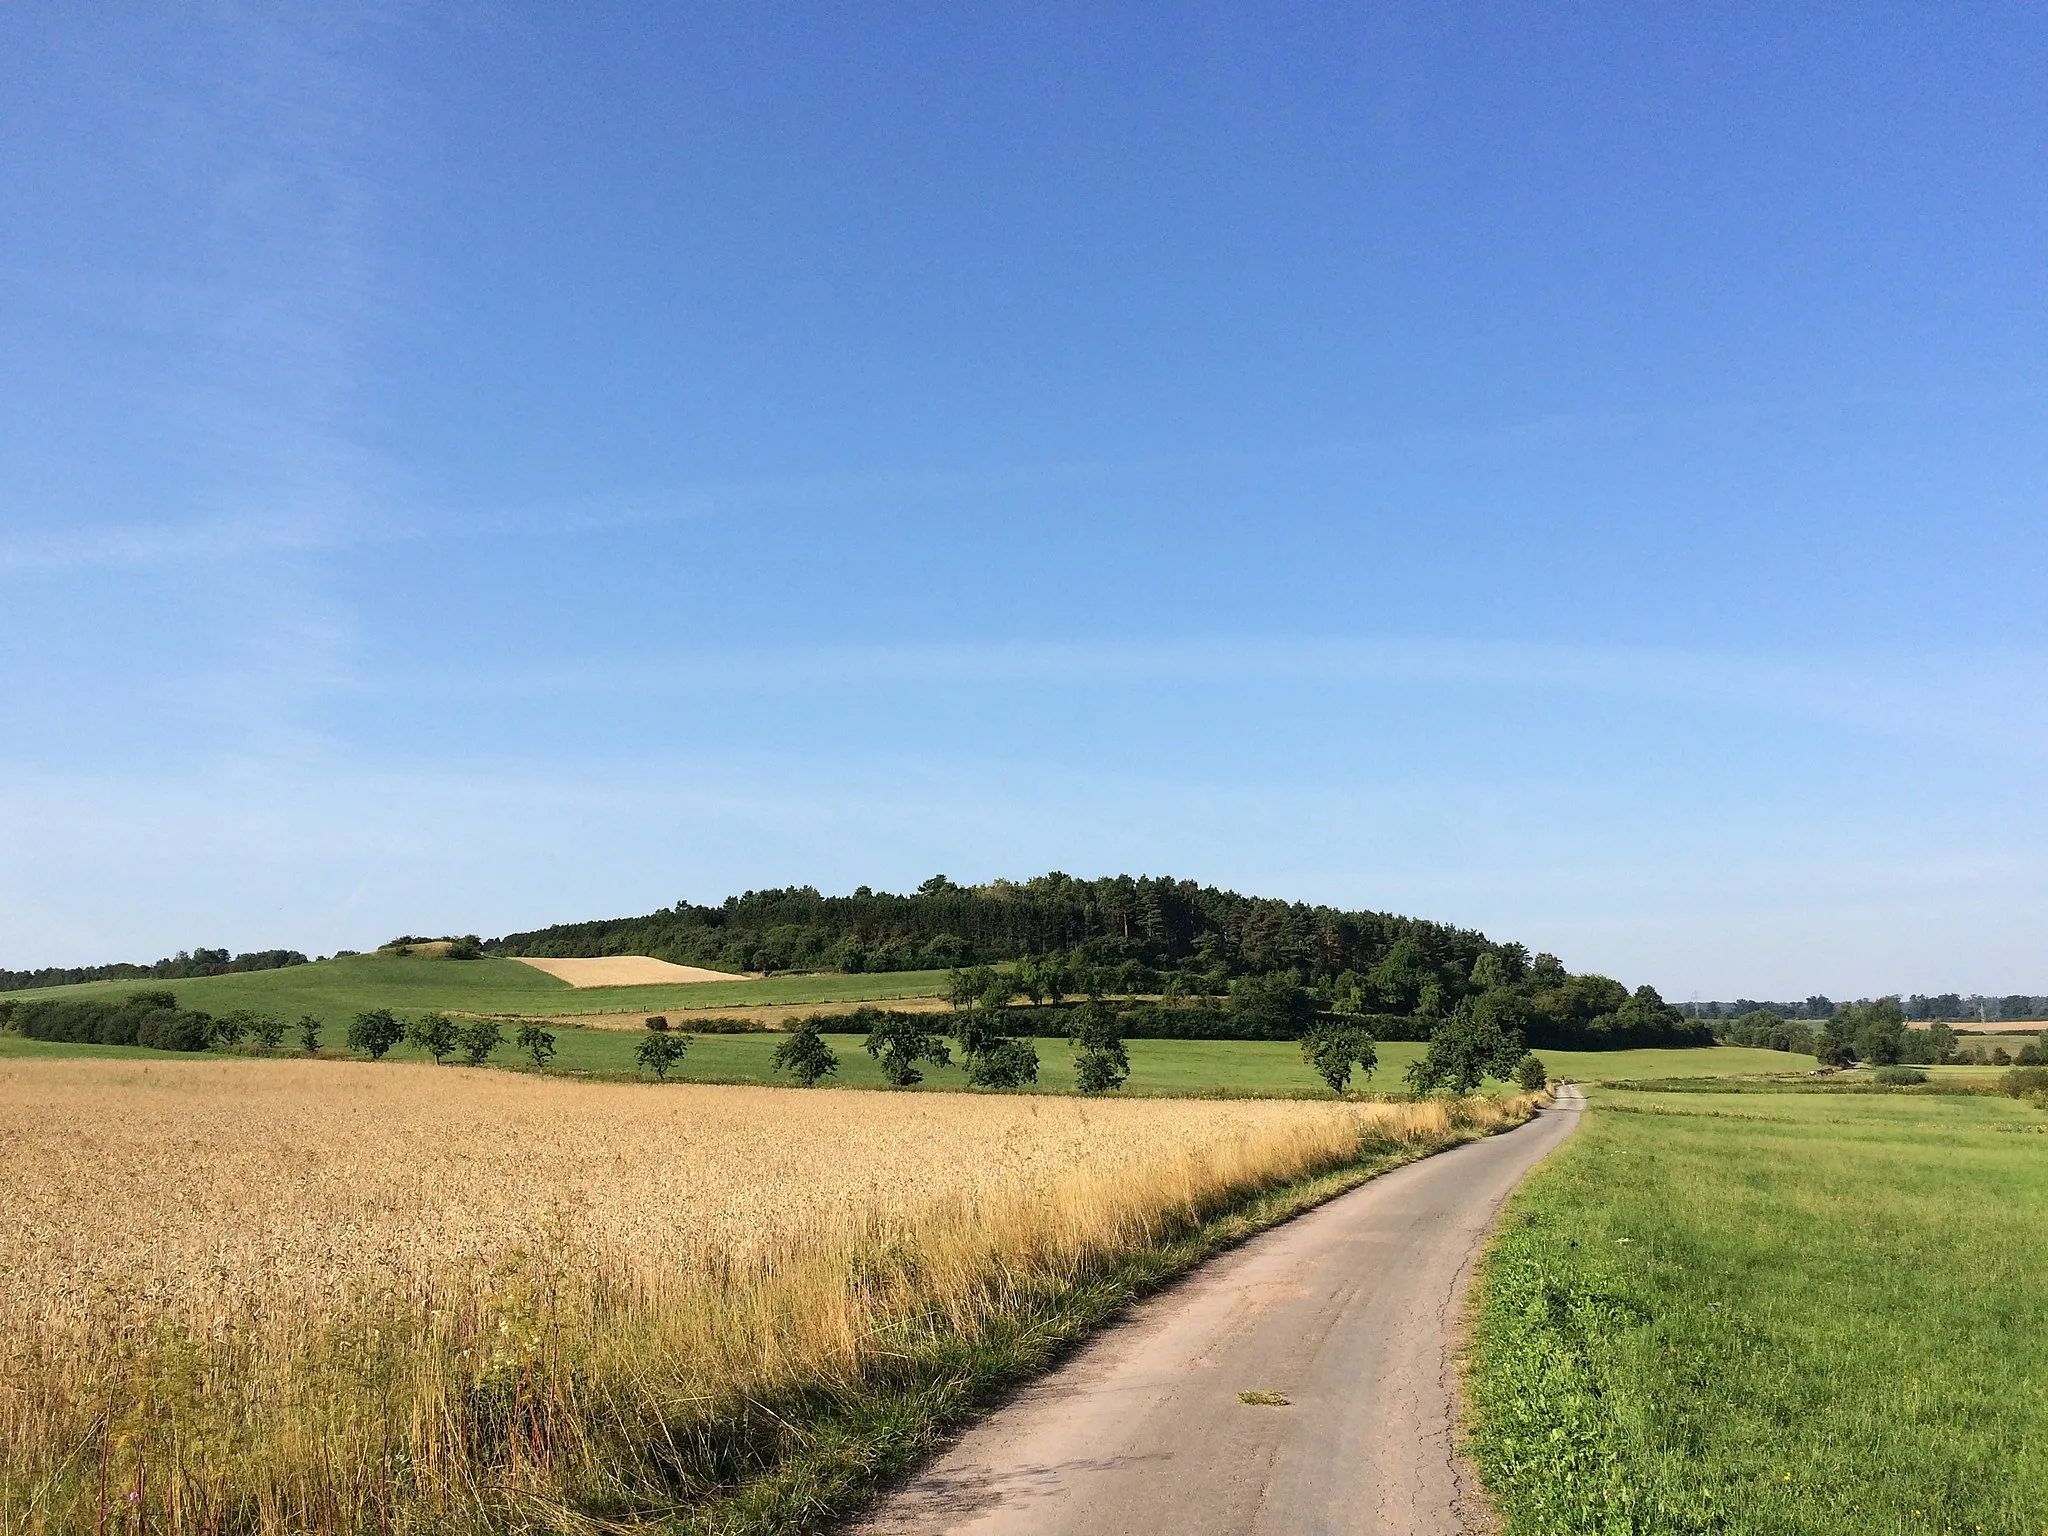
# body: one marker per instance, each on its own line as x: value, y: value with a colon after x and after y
x: 625, y: 971
x: 283, y: 1296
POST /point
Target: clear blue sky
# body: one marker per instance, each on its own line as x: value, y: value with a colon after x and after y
x: 1577, y: 472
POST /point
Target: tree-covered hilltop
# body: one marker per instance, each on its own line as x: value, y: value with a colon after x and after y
x: 1164, y: 924
x: 1191, y: 946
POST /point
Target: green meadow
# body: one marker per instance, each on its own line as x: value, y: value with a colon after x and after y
x: 1158, y: 1067
x: 1782, y: 1313
x: 336, y: 990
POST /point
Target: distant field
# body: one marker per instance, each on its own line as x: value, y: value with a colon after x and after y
x: 1788, y: 1313
x: 1158, y: 1067
x: 335, y: 990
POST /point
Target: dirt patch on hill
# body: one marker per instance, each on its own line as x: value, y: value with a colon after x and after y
x: 626, y: 971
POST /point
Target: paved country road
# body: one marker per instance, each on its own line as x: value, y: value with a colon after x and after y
x: 1346, y: 1311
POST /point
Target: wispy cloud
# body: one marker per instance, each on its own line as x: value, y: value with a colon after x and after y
x: 2001, y: 695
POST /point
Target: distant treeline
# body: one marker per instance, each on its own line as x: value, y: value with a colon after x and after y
x: 180, y: 967
x: 1951, y: 1007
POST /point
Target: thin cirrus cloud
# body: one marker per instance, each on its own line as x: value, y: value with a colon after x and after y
x: 1995, y: 695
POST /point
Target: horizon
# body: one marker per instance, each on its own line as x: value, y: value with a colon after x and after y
x: 1577, y: 478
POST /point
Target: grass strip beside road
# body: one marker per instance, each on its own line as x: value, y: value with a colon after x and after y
x: 1779, y: 1314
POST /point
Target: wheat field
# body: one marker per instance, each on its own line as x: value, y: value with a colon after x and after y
x: 276, y: 1296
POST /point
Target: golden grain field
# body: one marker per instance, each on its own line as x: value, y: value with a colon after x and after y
x: 287, y: 1296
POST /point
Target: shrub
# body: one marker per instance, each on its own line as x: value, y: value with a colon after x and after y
x: 1334, y: 1049
x: 658, y: 1052
x: 374, y: 1033
x: 434, y: 1033
x: 229, y: 1028
x: 537, y: 1042
x: 468, y: 947
x: 477, y: 1040
x: 1898, y: 1077
x: 2023, y: 1082
x: 1272, y: 1007
x: 267, y: 1030
x: 1531, y: 1074
x: 175, y: 1029
x: 151, y: 1018
x: 309, y: 1034
x: 657, y: 1022
x: 805, y: 1056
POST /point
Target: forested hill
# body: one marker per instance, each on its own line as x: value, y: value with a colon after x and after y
x: 1162, y: 923
x: 1159, y: 937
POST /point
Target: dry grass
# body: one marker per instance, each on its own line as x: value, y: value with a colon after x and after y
x: 288, y: 1296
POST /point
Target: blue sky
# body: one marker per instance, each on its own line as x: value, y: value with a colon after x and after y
x: 1579, y: 475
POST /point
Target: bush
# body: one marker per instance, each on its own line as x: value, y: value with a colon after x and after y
x: 1530, y: 1074
x: 1898, y: 1077
x: 657, y: 1022
x: 149, y: 1018
x: 267, y: 1030
x: 2024, y: 1082
x: 309, y: 1034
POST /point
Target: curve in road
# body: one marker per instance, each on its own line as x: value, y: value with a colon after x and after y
x: 1347, y: 1312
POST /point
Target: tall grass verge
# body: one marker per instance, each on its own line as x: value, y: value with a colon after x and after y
x: 278, y: 1297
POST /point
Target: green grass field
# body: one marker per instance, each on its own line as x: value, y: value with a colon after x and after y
x: 1787, y: 1314
x: 336, y: 990
x: 1157, y: 1066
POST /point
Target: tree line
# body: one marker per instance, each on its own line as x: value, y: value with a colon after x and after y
x: 183, y: 966
x: 1920, y: 1008
x: 1876, y: 1032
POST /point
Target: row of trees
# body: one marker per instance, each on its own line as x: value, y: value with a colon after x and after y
x: 1920, y: 1008
x: 182, y: 966
x: 1874, y: 1033
x: 1548, y: 1007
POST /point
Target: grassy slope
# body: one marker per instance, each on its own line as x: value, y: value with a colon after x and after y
x: 1773, y: 1314
x: 1157, y: 1066
x: 335, y: 990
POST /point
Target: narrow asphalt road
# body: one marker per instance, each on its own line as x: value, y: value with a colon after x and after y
x: 1347, y: 1312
